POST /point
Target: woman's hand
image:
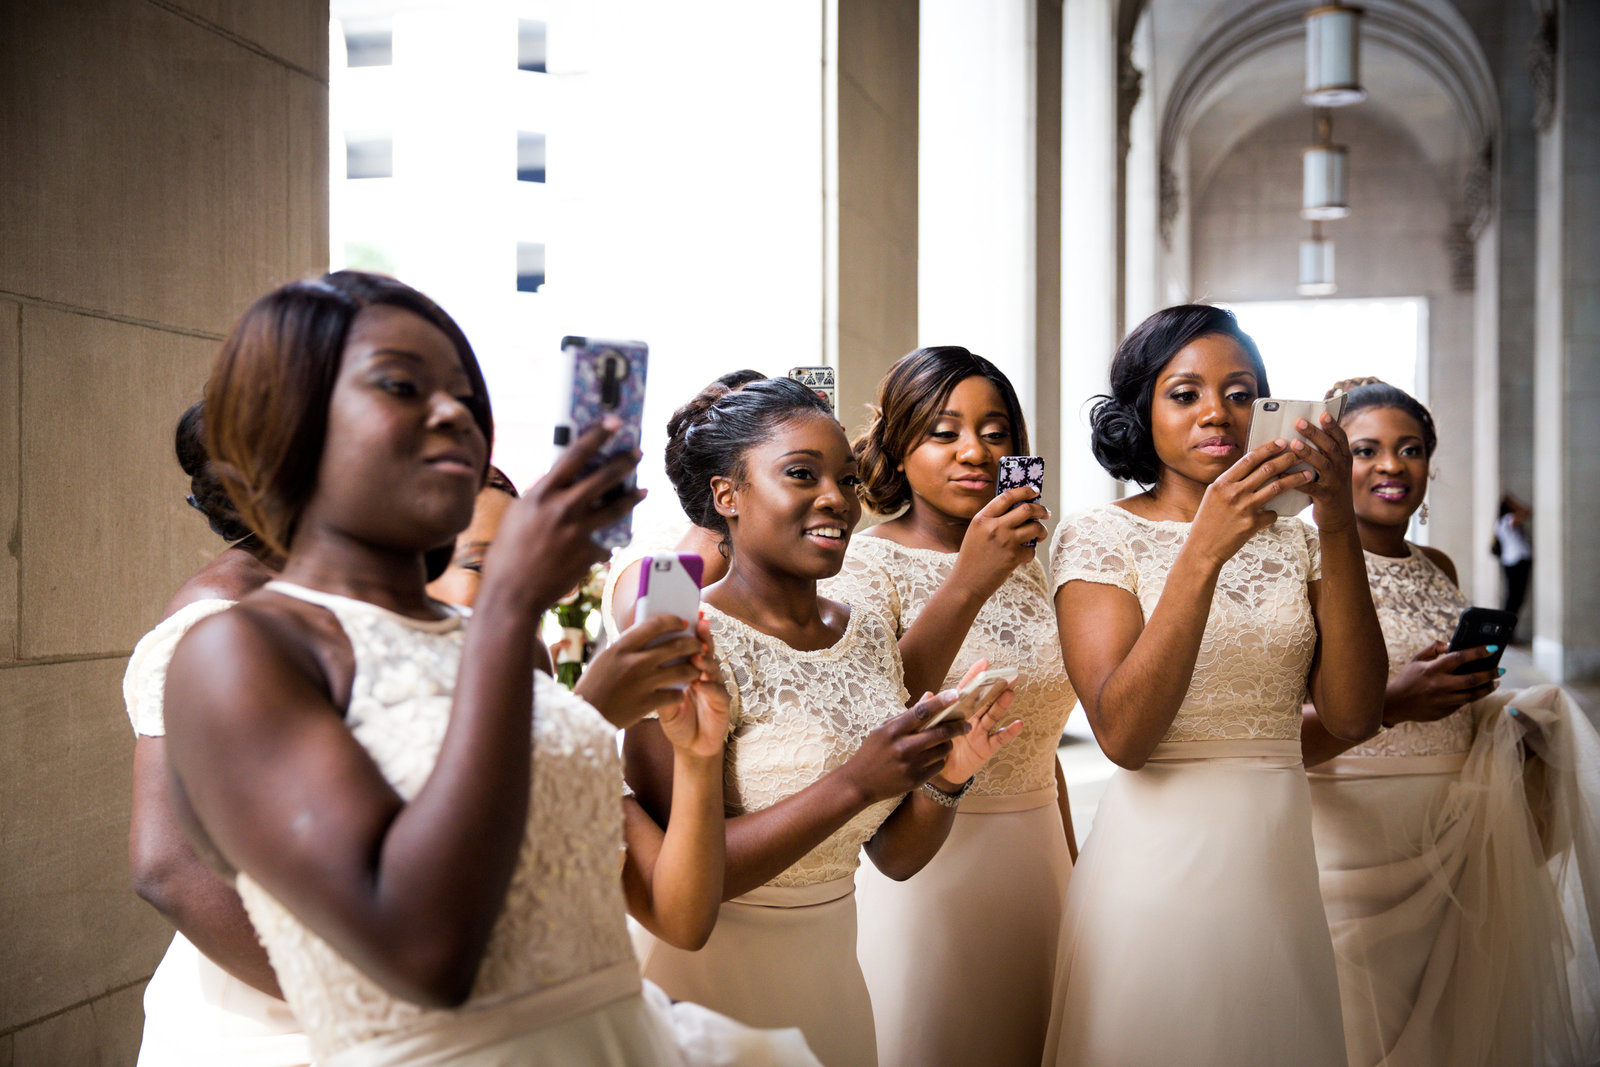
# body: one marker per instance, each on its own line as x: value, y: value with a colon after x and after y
x: 901, y: 754
x: 983, y: 737
x: 546, y: 543
x: 634, y: 675
x: 697, y: 725
x: 1425, y: 690
x: 1231, y: 511
x: 1000, y: 538
x: 1328, y: 452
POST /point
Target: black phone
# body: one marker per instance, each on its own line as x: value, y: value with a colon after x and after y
x: 1479, y: 627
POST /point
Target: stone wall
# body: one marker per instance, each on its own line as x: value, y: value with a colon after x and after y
x: 165, y: 163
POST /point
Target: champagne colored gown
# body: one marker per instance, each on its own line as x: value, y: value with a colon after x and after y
x: 558, y: 983
x: 975, y: 930
x: 1194, y: 932
x: 1442, y: 889
x: 784, y: 954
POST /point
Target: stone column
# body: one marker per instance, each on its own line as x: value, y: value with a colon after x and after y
x: 1566, y: 503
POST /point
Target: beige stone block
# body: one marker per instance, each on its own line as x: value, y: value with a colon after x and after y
x: 308, y: 177
x: 105, y: 535
x: 102, y: 1033
x: 73, y: 926
x: 878, y: 51
x: 10, y: 477
x: 146, y: 169
x: 296, y: 31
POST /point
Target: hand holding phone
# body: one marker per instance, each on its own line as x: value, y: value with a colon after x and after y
x: 1017, y: 471
x: 604, y: 378
x: 980, y: 692
x: 669, y: 584
x: 1273, y: 419
x: 1482, y: 627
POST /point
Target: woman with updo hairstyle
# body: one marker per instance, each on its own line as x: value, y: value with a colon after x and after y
x: 214, y: 997
x: 1194, y: 623
x: 423, y: 830
x: 822, y: 759
x: 954, y: 571
x: 1448, y: 929
x: 621, y: 588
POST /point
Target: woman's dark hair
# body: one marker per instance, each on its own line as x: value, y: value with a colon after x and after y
x: 206, y: 494
x: 1119, y: 422
x: 910, y: 398
x: 1364, y: 393
x: 267, y: 400
x: 709, y: 436
x: 496, y: 479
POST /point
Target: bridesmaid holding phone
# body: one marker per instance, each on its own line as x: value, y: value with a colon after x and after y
x: 955, y: 573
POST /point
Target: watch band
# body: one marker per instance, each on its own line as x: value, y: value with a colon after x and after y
x: 939, y: 796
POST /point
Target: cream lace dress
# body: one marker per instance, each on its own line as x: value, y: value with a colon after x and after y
x: 1193, y: 930
x: 1447, y: 929
x: 926, y: 961
x: 558, y: 982
x: 784, y: 954
x: 195, y: 1013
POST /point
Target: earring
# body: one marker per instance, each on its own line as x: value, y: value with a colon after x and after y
x: 1422, y: 515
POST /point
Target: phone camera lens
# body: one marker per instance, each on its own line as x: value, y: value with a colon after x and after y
x: 1271, y: 405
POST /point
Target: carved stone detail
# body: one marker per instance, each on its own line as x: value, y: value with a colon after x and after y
x: 1542, y: 59
x: 1170, y: 203
x: 1462, y: 246
x: 1130, y: 83
x: 1477, y: 191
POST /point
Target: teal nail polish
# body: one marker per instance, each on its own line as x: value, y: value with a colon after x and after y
x: 1500, y: 673
x: 1494, y: 648
x: 1512, y: 710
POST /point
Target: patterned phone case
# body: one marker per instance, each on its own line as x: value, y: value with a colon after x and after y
x: 820, y: 380
x: 1020, y: 470
x: 608, y: 378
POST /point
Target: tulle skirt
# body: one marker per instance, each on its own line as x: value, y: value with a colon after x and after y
x: 781, y: 957
x: 196, y: 1015
x: 961, y: 957
x: 1194, y: 932
x: 1461, y: 893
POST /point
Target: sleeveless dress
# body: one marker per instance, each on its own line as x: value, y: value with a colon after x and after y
x: 927, y: 962
x: 784, y: 954
x: 1194, y: 932
x: 1447, y: 927
x: 196, y: 1013
x: 558, y: 982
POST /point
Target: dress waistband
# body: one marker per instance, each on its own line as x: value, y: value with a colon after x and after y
x: 1389, y: 766
x: 447, y: 1036
x: 997, y: 805
x: 797, y: 896
x: 1248, y: 748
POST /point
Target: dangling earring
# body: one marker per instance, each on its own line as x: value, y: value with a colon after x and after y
x: 1422, y: 515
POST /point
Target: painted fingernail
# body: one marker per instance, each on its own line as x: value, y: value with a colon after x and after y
x: 1500, y: 673
x: 1493, y: 648
x: 1512, y: 711
x: 949, y: 695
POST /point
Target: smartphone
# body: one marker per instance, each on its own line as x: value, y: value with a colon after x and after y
x: 820, y: 380
x: 1479, y: 627
x: 1273, y: 419
x: 975, y: 694
x: 604, y: 378
x: 1020, y: 470
x: 669, y: 584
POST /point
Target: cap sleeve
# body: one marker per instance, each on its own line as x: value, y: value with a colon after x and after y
x: 1313, y: 540
x: 1090, y: 547
x: 145, y: 683
x: 866, y: 582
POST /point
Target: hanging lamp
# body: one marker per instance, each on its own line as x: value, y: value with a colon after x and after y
x: 1323, y: 193
x: 1316, y: 264
x: 1333, y: 56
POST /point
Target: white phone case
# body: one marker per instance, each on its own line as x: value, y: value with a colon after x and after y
x: 975, y: 694
x: 1272, y: 419
x: 669, y: 584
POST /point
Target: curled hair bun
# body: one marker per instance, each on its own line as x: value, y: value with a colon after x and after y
x: 1119, y: 439
x: 1349, y: 385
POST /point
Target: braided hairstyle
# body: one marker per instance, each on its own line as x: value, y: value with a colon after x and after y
x: 1369, y: 392
x: 910, y: 398
x: 1119, y: 422
x: 207, y: 494
x: 708, y: 437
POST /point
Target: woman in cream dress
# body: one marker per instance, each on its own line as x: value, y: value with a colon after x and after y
x: 1447, y: 926
x: 956, y: 576
x: 432, y: 848
x: 1193, y: 623
x: 821, y: 752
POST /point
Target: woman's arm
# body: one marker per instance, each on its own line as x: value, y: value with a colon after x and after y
x: 177, y: 883
x: 995, y: 544
x: 408, y: 891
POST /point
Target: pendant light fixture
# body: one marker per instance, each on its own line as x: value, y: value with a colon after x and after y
x: 1324, y: 165
x: 1316, y: 264
x: 1333, y: 56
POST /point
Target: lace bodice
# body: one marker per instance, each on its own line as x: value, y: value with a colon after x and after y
x: 1015, y: 628
x: 145, y: 682
x: 795, y: 716
x: 1417, y: 605
x: 1250, y: 676
x: 563, y: 916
